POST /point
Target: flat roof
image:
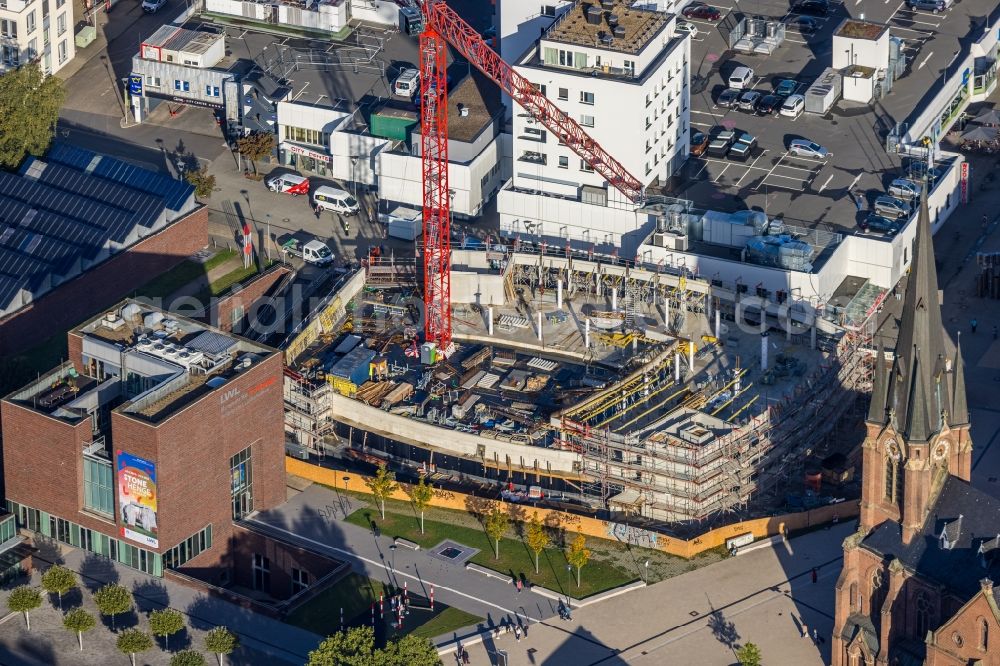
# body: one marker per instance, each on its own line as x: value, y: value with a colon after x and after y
x: 638, y: 26
x: 856, y: 29
x: 177, y: 38
x: 809, y: 193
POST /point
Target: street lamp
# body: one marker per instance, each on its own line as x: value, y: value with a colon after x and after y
x: 569, y: 581
x: 268, y: 238
x: 646, y: 578
x: 354, y: 179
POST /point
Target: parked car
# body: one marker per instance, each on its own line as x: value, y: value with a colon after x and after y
x: 768, y: 105
x: 807, y: 25
x: 702, y: 11
x: 807, y: 148
x: 749, y: 100
x: 876, y: 222
x: 811, y: 7
x: 685, y: 27
x: 933, y: 6
x: 407, y: 83
x: 793, y: 106
x: 699, y: 142
x: 729, y: 98
x: 891, y: 207
x: 288, y: 183
x: 741, y: 78
x: 313, y: 252
x: 786, y: 87
x: 152, y: 6
x: 904, y: 189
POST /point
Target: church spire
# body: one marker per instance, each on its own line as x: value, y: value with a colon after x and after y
x: 876, y: 410
x: 959, y: 404
x: 917, y: 401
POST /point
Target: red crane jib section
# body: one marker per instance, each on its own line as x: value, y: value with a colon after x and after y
x: 443, y: 26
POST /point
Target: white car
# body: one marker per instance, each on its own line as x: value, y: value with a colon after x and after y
x: 684, y: 26
x: 806, y: 148
x: 792, y: 106
x: 902, y: 188
x: 152, y: 6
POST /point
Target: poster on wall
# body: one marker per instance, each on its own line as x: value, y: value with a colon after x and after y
x: 137, y: 499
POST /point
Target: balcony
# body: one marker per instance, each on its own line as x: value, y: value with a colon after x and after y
x: 97, y: 448
x: 533, y: 157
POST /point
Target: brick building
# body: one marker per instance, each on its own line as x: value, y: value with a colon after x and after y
x: 919, y: 578
x: 146, y: 446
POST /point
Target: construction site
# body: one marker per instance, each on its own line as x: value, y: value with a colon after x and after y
x: 621, y: 389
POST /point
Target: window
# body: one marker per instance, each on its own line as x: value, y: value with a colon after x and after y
x: 893, y: 478
x: 984, y: 634
x: 177, y: 84
x: 534, y: 134
x: 549, y: 10
x: 563, y: 162
x: 261, y: 572
x: 586, y: 97
x: 853, y: 601
x: 565, y: 58
x: 152, y: 81
x: 482, y: 182
x: 586, y: 167
x: 188, y: 549
x: 303, y: 135
x: 208, y: 91
x: 187, y: 86
x: 241, y: 470
x: 60, y: 3
x: 98, y: 486
x: 877, y: 593
x: 564, y: 94
x: 10, y: 56
x: 215, y: 91
x: 300, y: 580
x: 31, y: 21
x: 8, y: 28
x: 237, y: 315
x: 922, y: 616
x: 629, y: 67
x: 61, y: 24
x: 587, y: 121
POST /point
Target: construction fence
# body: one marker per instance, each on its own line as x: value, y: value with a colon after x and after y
x: 760, y: 528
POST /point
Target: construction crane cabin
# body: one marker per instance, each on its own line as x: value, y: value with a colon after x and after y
x: 444, y: 27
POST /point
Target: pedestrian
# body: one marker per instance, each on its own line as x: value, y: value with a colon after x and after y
x: 465, y: 657
x: 815, y: 574
x: 816, y: 635
x: 496, y: 632
x: 525, y: 627
x: 973, y: 324
x: 519, y: 586
x: 805, y: 629
x: 517, y: 633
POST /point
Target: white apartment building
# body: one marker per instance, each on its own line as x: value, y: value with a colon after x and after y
x: 36, y: 29
x: 621, y: 73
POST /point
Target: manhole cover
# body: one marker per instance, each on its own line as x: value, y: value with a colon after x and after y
x: 450, y: 553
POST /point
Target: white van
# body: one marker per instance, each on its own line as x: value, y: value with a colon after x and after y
x: 339, y: 201
x: 741, y: 78
x: 407, y: 84
x: 288, y: 183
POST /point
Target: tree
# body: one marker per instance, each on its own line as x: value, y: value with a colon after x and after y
x: 166, y: 623
x: 24, y: 599
x: 187, y: 658
x: 356, y: 647
x: 79, y: 621
x: 421, y: 495
x: 382, y: 486
x: 578, y: 555
x: 495, y: 524
x: 748, y: 655
x: 220, y: 642
x: 255, y: 146
x: 58, y: 580
x: 113, y: 599
x: 203, y: 181
x: 538, y: 538
x: 29, y: 109
x: 133, y: 641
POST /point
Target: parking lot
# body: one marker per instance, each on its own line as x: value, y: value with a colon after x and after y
x: 806, y: 191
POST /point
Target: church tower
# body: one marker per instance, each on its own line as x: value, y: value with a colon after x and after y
x: 918, y: 420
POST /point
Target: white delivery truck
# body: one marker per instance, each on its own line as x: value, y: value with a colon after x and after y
x: 403, y: 223
x: 314, y: 252
x: 336, y: 200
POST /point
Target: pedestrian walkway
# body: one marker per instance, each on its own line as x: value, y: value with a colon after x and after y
x: 281, y: 642
x: 314, y: 518
x: 764, y: 597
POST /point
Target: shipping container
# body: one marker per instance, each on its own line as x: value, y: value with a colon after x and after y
x: 393, y: 123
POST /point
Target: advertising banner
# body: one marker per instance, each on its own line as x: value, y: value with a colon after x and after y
x: 965, y: 182
x: 137, y: 499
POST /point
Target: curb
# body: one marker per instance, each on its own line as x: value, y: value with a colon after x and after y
x: 763, y: 543
x: 406, y: 543
x: 580, y: 603
x: 489, y: 573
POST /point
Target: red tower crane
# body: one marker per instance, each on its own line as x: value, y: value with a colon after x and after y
x: 442, y: 26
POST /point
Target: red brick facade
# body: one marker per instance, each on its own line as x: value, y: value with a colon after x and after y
x: 105, y: 284
x: 244, y: 300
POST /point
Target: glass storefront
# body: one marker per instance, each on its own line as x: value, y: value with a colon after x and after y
x: 304, y: 159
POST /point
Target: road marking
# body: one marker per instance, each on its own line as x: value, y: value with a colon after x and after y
x: 702, y: 124
x: 823, y: 186
x: 302, y: 90
x: 854, y: 182
x: 722, y: 173
x: 708, y: 113
x: 924, y: 61
x: 397, y: 572
x: 750, y: 168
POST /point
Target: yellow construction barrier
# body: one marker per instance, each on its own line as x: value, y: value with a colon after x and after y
x: 761, y: 528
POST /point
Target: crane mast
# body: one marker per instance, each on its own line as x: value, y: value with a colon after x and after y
x: 443, y: 26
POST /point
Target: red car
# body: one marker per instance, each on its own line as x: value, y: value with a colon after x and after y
x: 705, y: 12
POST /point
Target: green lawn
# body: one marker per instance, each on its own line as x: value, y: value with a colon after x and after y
x: 355, y: 594
x: 226, y: 282
x: 183, y: 274
x: 515, y: 557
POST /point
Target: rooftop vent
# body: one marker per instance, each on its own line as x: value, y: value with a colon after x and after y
x: 612, y: 19
x: 604, y: 38
x: 593, y: 15
x: 463, y: 110
x: 608, y: 4
x: 618, y: 31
